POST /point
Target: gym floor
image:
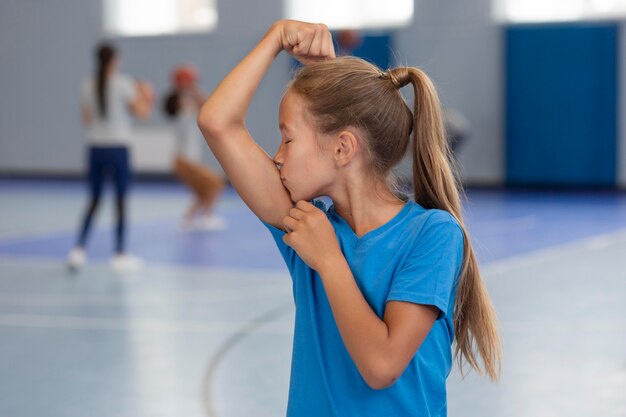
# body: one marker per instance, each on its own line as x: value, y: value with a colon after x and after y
x: 205, y: 328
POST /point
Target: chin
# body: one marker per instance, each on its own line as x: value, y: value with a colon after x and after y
x: 295, y: 197
x: 303, y: 194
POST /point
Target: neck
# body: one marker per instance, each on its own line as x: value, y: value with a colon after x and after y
x: 365, y: 205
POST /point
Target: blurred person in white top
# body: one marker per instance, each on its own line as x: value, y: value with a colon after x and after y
x: 109, y: 101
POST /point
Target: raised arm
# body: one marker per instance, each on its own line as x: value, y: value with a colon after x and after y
x: 222, y: 117
x: 141, y: 104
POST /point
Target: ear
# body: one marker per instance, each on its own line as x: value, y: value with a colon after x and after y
x: 346, y: 146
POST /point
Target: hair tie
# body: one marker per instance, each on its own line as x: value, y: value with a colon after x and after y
x: 399, y: 77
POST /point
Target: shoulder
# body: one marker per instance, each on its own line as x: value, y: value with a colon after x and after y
x: 429, y: 224
x: 438, y: 217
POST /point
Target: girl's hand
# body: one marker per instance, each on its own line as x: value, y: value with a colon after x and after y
x: 311, y: 235
x: 307, y: 42
x: 146, y: 91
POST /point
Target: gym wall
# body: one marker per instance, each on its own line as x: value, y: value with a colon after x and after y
x: 46, y: 50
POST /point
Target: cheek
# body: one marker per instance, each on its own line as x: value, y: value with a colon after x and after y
x: 308, y: 164
x: 296, y: 159
x: 319, y: 170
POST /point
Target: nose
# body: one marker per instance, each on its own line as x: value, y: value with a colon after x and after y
x: 278, y: 157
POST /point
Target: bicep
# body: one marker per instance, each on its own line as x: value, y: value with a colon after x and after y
x: 253, y: 174
x: 408, y: 325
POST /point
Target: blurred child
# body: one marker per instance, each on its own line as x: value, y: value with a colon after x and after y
x: 182, y: 105
x: 108, y: 100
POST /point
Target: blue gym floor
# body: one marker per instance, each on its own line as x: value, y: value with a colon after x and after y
x: 205, y: 329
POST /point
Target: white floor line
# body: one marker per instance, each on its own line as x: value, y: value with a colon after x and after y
x: 49, y: 261
x: 161, y: 297
x: 134, y: 325
x: 253, y: 326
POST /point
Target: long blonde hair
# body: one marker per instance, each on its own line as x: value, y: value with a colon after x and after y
x: 349, y: 91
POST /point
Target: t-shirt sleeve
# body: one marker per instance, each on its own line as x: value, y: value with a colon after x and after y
x: 430, y: 272
x: 288, y: 254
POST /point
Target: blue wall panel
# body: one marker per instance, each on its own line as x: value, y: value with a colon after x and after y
x: 376, y: 49
x: 561, y: 104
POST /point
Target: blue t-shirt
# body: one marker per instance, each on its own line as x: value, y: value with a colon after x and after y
x: 415, y: 257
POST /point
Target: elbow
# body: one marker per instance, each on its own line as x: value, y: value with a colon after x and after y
x: 215, y: 126
x: 381, y: 376
x: 208, y: 126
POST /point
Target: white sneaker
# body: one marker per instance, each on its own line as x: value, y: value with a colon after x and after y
x: 76, y: 259
x: 212, y: 223
x: 126, y: 263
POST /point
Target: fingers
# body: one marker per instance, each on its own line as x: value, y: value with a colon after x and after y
x: 306, y: 36
x: 324, y: 50
x: 305, y: 206
x: 296, y: 213
x: 307, y: 40
x: 290, y: 40
x: 289, y: 223
x: 327, y: 49
x: 321, y: 44
x: 316, y: 48
x: 330, y: 46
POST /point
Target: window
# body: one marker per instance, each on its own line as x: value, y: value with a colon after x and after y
x: 528, y: 11
x: 158, y: 17
x: 352, y: 14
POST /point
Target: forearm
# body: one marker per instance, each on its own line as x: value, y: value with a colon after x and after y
x: 229, y: 102
x: 365, y: 335
x: 144, y: 99
x: 143, y: 109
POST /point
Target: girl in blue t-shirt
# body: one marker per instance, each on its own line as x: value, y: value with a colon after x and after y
x: 383, y: 285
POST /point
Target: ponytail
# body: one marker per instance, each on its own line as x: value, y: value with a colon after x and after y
x: 104, y: 55
x: 436, y: 186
